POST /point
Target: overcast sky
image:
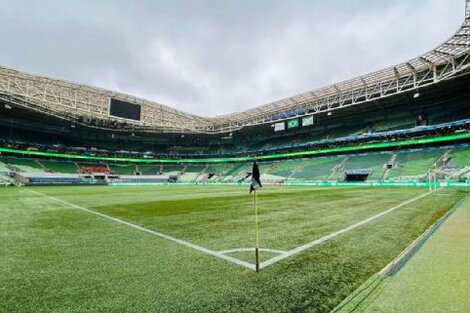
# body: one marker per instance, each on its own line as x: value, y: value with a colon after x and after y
x: 217, y: 57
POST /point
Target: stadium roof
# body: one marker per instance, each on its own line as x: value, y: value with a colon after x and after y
x: 82, y: 104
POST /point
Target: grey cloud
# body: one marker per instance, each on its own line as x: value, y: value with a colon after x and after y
x: 217, y: 57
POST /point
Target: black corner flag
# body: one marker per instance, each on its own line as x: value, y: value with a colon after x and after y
x: 255, y: 180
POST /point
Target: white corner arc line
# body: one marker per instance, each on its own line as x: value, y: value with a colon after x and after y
x: 149, y: 231
x: 251, y: 250
x: 336, y: 233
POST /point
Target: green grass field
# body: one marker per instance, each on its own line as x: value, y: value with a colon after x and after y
x: 57, y: 257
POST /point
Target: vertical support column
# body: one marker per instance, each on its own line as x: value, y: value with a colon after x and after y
x: 429, y: 181
x: 467, y: 10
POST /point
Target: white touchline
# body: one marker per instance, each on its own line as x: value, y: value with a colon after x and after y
x: 219, y: 255
x: 311, y: 244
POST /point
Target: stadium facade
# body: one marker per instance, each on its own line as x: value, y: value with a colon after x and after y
x: 421, y: 103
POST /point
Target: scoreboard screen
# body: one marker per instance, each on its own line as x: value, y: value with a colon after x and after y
x: 122, y: 109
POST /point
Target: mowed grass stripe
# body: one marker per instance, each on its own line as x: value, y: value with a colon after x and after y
x: 151, y: 232
x: 61, y: 260
x: 57, y: 260
x: 184, y: 207
x: 203, y: 221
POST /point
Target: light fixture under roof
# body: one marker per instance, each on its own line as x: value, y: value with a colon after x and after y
x: 416, y: 95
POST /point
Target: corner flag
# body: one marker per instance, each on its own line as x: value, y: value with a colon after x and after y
x: 255, y: 185
x: 255, y: 180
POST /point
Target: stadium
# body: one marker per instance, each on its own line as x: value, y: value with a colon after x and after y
x: 111, y: 202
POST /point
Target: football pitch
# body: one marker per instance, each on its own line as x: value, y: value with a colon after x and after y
x: 190, y: 248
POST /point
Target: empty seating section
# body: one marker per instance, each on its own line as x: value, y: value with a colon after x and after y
x: 408, y: 165
x: 188, y: 177
x: 284, y: 169
x: 265, y: 167
x: 5, y: 180
x: 374, y: 163
x: 395, y: 124
x: 194, y: 168
x: 348, y: 131
x: 415, y: 164
x: 95, y: 168
x: 218, y: 168
x: 149, y: 169
x: 316, y: 169
x: 4, y: 168
x: 60, y: 167
x: 172, y: 168
x: 123, y: 169
x: 23, y: 165
x: 238, y: 171
x: 460, y: 157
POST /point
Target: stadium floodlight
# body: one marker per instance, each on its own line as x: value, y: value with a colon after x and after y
x: 416, y: 95
x: 329, y: 113
x: 7, y: 106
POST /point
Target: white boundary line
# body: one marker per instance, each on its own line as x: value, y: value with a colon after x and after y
x: 222, y: 254
x: 335, y: 234
x: 158, y: 234
x: 251, y: 250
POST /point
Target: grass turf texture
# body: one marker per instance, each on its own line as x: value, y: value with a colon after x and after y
x: 436, y: 279
x: 56, y: 258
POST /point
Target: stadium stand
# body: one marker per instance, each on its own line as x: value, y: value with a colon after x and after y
x: 349, y: 126
x: 372, y: 163
x: 172, y: 168
x: 188, y: 177
x: 218, y: 168
x: 395, y: 124
x: 23, y: 165
x: 149, y: 169
x: 60, y: 167
x: 460, y: 157
x: 415, y: 164
x: 316, y: 169
x: 92, y: 169
x: 4, y: 168
x: 194, y: 168
x: 123, y: 169
x: 6, y: 181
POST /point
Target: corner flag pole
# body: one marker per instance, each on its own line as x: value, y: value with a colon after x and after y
x: 256, y: 184
x: 255, y: 203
